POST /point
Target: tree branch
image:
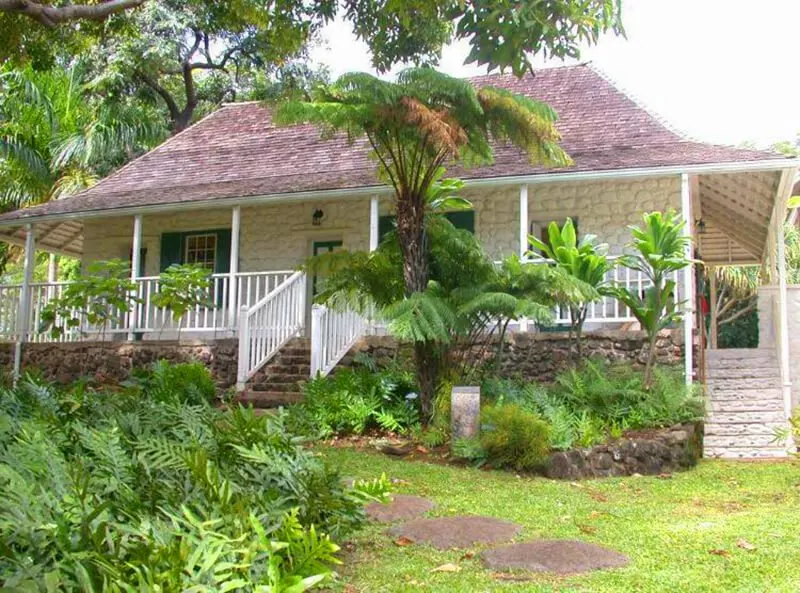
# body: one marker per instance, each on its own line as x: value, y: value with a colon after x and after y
x: 172, y: 106
x: 740, y: 313
x: 50, y: 16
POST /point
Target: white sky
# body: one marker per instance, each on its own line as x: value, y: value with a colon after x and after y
x: 723, y: 71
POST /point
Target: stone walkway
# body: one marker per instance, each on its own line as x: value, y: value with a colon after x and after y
x: 561, y: 557
x: 401, y: 508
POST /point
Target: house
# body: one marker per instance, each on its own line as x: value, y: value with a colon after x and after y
x: 251, y: 201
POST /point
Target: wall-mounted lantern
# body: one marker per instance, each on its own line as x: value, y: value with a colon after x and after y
x: 317, y: 216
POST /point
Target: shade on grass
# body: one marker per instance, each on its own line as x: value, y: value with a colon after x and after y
x: 691, y: 532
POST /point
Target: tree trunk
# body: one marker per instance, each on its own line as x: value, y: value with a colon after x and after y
x: 651, y: 359
x: 414, y: 248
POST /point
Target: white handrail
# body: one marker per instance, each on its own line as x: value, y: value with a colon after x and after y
x: 333, y: 333
x: 266, y: 326
x: 213, y: 316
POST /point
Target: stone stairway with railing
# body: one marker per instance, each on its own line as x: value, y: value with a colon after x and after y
x: 278, y: 382
x: 744, y: 404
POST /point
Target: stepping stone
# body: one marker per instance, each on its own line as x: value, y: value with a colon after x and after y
x: 562, y: 557
x: 401, y: 507
x: 445, y: 533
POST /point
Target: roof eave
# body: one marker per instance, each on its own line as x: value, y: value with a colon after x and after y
x: 775, y: 164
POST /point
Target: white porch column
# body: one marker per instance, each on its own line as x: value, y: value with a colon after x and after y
x: 23, y: 313
x: 783, y: 318
x: 688, y: 280
x: 233, y: 307
x: 373, y: 223
x: 712, y: 305
x: 136, y: 262
x: 52, y: 268
x: 523, y: 236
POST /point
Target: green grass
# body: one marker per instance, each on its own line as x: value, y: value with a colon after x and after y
x: 667, y: 527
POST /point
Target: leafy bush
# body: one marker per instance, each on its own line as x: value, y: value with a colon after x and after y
x: 587, y: 405
x: 189, y: 382
x: 139, y: 490
x: 469, y: 449
x: 513, y: 436
x: 355, y: 400
x: 617, y: 394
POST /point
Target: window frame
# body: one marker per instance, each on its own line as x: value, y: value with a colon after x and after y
x: 188, y: 237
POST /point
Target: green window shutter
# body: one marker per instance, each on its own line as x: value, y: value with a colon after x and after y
x: 223, y: 257
x: 171, y: 250
x: 385, y: 226
x: 463, y: 219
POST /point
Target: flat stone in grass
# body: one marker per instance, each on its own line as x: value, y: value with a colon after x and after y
x: 401, y: 507
x: 445, y: 533
x: 554, y: 556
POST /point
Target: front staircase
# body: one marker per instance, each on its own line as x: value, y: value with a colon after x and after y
x: 744, y: 406
x: 278, y: 382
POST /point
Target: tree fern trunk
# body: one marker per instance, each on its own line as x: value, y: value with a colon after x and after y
x: 414, y: 248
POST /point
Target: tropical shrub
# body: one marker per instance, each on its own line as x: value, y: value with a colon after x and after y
x: 103, y: 294
x: 355, y: 400
x: 512, y: 436
x: 586, y: 260
x: 135, y: 492
x: 188, y: 382
x: 659, y: 250
x: 181, y: 288
x: 597, y: 400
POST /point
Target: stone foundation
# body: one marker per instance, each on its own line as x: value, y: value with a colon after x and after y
x: 648, y: 453
x: 111, y: 362
x: 529, y: 356
x: 540, y: 356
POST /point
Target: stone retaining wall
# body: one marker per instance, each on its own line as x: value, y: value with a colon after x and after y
x: 530, y: 356
x: 540, y: 356
x: 108, y: 362
x: 650, y: 453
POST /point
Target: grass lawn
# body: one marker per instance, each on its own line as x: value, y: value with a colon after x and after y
x: 687, y: 533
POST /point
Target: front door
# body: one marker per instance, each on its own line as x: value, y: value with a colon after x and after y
x: 318, y: 248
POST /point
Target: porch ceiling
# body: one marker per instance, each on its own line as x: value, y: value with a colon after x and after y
x: 736, y: 209
x: 61, y: 237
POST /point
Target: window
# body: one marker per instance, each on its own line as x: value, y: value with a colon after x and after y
x: 201, y: 250
x: 210, y: 248
x: 461, y: 219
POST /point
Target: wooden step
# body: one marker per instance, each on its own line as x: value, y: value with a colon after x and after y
x: 747, y: 417
x: 733, y: 429
x: 745, y: 452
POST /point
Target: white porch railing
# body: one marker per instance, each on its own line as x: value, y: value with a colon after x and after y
x: 333, y: 333
x: 610, y: 310
x: 145, y: 318
x: 267, y: 325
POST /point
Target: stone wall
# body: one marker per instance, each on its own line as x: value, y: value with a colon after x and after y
x: 647, y: 453
x: 767, y: 320
x: 111, y: 362
x: 540, y: 356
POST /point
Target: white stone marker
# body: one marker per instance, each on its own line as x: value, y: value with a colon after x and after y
x: 465, y: 412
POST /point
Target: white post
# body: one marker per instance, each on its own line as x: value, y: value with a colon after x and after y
x: 317, y: 311
x: 244, y: 350
x: 783, y: 318
x: 52, y: 268
x: 523, y: 236
x: 688, y: 281
x: 712, y: 273
x: 236, y: 220
x: 136, y: 261
x: 24, y: 312
x: 373, y: 223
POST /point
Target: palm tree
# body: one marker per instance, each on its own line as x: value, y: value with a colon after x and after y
x: 58, y: 135
x: 415, y: 126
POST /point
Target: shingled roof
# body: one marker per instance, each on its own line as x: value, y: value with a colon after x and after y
x: 238, y: 152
